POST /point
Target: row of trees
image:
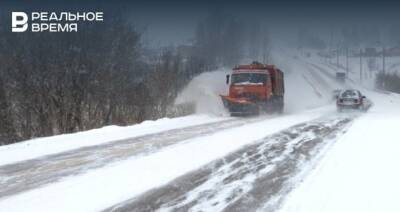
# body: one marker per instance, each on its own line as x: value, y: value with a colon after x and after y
x: 224, y: 40
x: 219, y: 39
x: 388, y: 81
x: 53, y: 83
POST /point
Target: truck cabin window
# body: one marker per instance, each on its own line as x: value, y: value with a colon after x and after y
x: 249, y: 79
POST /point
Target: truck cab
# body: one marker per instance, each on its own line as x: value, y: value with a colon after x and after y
x: 254, y: 87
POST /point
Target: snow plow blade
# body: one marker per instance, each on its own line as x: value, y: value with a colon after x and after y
x: 240, y: 107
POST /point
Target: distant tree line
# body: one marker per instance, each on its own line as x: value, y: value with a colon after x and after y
x: 54, y: 83
x: 349, y: 35
x: 388, y: 81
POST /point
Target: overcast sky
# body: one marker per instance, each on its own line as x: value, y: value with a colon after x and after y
x: 174, y: 21
x: 171, y: 23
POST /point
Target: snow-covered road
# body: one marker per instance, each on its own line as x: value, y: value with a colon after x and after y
x: 117, y: 181
x: 30, y: 174
x: 40, y: 147
x: 254, y: 177
x: 360, y: 172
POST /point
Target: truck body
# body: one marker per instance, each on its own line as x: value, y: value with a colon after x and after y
x: 253, y: 88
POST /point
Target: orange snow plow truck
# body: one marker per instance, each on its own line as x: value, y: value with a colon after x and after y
x: 253, y: 88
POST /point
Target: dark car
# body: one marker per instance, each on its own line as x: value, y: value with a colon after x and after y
x: 350, y: 99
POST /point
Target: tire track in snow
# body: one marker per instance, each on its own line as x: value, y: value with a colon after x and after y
x: 30, y: 174
x: 247, y: 179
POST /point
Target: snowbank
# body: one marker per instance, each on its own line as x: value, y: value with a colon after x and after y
x: 51, y: 145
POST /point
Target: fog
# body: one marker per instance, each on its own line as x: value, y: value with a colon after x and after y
x: 175, y: 23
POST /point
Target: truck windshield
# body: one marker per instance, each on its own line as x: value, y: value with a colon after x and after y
x: 249, y: 79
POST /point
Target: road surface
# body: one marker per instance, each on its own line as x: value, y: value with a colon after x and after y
x: 30, y: 174
x: 252, y: 178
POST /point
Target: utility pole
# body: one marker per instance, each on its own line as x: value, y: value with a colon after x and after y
x: 383, y: 60
x: 383, y: 67
x: 360, y: 65
x: 337, y: 57
x: 263, y: 60
x: 347, y: 61
x: 264, y: 57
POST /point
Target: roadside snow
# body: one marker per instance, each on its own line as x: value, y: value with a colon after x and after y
x: 360, y: 172
x: 51, y: 145
x: 121, y: 181
x: 302, y: 89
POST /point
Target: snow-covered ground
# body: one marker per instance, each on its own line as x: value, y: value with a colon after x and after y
x: 55, y: 144
x: 360, y: 172
x: 120, y: 181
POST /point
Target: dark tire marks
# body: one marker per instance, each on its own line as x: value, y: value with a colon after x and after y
x: 247, y: 179
x: 30, y: 174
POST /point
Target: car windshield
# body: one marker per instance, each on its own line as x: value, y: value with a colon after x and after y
x: 249, y: 78
x: 349, y: 94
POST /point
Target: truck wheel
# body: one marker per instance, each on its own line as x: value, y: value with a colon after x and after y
x: 280, y: 110
x: 257, y: 111
x: 279, y: 105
